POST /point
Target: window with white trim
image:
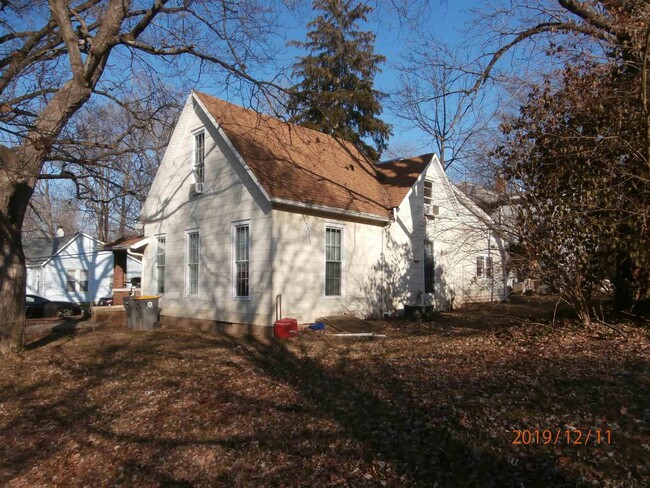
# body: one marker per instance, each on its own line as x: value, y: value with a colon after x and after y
x: 429, y: 269
x: 489, y: 267
x: 71, y: 280
x: 83, y: 280
x: 76, y: 280
x: 193, y: 253
x: 333, y: 261
x: 484, y: 267
x: 199, y: 157
x: 160, y: 264
x: 241, y: 264
x: 428, y: 192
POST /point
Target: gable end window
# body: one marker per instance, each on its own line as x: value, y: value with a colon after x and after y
x: 76, y: 280
x: 333, y: 261
x: 199, y: 157
x: 241, y: 264
x: 193, y: 253
x: 428, y: 192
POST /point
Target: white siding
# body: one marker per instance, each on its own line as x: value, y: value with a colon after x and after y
x: 383, y: 266
x: 34, y: 280
x: 458, y: 237
x: 298, y: 263
x: 230, y: 195
x: 81, y: 254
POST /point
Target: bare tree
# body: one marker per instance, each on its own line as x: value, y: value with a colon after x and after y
x: 435, y: 96
x: 55, y: 55
x: 112, y: 152
x: 50, y: 208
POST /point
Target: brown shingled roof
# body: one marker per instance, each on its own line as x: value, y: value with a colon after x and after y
x: 299, y: 164
x: 399, y: 175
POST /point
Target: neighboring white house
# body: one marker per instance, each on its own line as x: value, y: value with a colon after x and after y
x: 246, y: 208
x: 73, y: 268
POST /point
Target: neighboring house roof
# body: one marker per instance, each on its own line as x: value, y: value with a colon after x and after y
x: 133, y: 242
x: 476, y: 209
x: 38, y: 250
x: 399, y: 175
x: 301, y: 165
x: 486, y: 198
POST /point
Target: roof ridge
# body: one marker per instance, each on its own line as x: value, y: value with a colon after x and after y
x: 290, y: 124
x: 293, y: 163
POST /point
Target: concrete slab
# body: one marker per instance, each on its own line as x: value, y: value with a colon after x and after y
x: 349, y: 324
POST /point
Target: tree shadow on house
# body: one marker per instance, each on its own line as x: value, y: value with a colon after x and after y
x: 391, y: 285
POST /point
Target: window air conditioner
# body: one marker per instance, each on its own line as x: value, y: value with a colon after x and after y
x: 431, y: 210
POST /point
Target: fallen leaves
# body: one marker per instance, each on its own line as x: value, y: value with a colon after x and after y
x: 435, y: 403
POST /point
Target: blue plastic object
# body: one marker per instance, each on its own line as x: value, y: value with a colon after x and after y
x: 317, y: 326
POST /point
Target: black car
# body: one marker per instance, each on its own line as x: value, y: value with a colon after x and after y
x: 105, y: 301
x: 37, y: 307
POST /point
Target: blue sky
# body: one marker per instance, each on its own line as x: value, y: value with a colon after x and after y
x: 444, y: 20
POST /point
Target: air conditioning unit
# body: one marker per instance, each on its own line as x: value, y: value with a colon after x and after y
x: 198, y: 188
x: 431, y: 210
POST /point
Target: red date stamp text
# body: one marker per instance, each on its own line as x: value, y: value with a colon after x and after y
x: 571, y: 437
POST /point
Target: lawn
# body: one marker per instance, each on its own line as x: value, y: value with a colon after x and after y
x: 437, y: 401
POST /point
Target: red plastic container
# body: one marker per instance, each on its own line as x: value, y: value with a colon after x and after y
x: 285, y: 328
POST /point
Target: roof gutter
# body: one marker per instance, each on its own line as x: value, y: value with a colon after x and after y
x: 333, y: 210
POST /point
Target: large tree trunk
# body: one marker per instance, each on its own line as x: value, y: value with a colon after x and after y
x: 14, y: 196
x: 19, y: 170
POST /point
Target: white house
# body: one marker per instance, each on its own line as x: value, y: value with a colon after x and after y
x: 247, y: 209
x: 72, y: 268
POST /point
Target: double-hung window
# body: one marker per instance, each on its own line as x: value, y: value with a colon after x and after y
x: 193, y: 253
x: 428, y: 192
x: 333, y: 261
x: 429, y: 269
x: 241, y: 264
x: 83, y: 280
x: 160, y: 264
x: 484, y: 267
x: 71, y: 280
x: 489, y: 267
x: 480, y: 267
x: 76, y: 280
x: 199, y: 157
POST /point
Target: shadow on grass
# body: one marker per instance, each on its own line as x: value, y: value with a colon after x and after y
x: 378, y: 410
x: 395, y: 428
x: 52, y: 333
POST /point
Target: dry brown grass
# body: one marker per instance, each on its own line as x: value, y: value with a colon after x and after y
x: 435, y: 402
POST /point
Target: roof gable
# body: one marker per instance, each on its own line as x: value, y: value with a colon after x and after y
x: 296, y: 164
x: 39, y: 250
x: 399, y: 175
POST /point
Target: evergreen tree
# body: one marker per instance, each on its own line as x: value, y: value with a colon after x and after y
x: 336, y: 94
